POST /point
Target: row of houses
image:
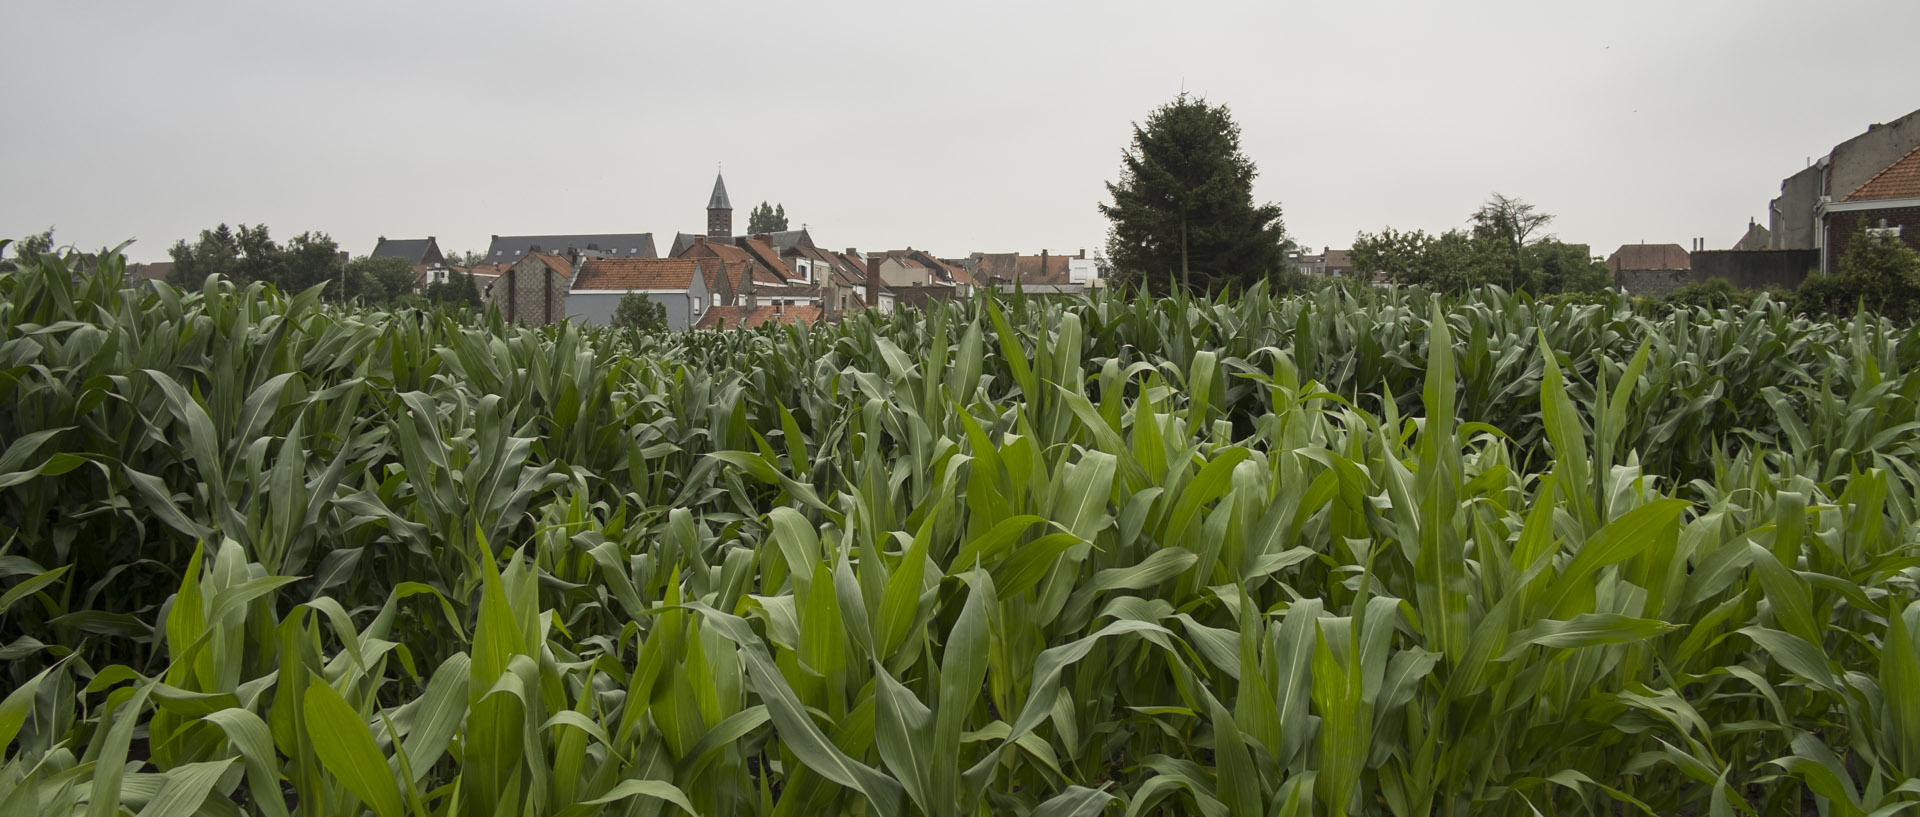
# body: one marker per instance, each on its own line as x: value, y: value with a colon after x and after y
x: 1868, y: 183
x: 718, y: 279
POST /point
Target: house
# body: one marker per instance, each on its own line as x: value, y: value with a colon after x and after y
x: 1650, y: 269
x: 1756, y: 238
x: 483, y: 274
x: 1338, y: 263
x: 754, y: 317
x: 533, y: 289
x: 678, y: 284
x: 1796, y: 220
x: 1888, y: 204
x: 423, y: 254
x: 148, y: 274
x: 417, y: 252
x: 507, y: 249
x: 1307, y: 264
x: 749, y: 259
x: 1005, y: 269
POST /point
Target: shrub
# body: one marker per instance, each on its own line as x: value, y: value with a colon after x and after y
x: 1713, y: 293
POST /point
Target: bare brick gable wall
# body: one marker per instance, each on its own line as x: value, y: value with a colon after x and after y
x: 1842, y: 227
x: 529, y: 292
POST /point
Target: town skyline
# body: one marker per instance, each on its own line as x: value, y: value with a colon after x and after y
x: 991, y: 128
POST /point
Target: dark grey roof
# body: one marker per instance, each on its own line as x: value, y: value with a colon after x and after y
x: 719, y: 200
x: 412, y: 249
x: 786, y: 240
x: 506, y: 249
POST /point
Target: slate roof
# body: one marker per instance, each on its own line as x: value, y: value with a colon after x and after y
x: 1649, y: 257
x: 681, y: 241
x: 719, y: 199
x: 787, y: 241
x: 628, y: 274
x: 412, y: 249
x: 741, y: 317
x: 507, y: 249
x: 1900, y: 180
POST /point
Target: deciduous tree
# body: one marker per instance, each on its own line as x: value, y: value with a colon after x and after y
x: 637, y: 311
x: 767, y: 219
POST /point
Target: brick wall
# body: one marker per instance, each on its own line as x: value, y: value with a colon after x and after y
x: 1842, y: 226
x: 1757, y: 269
x: 527, y: 290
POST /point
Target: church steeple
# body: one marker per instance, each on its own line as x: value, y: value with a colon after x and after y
x: 719, y: 210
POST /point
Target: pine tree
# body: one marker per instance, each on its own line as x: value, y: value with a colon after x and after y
x: 1184, y: 209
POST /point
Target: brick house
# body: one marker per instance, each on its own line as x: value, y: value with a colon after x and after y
x: 415, y: 251
x: 1889, y: 202
x: 1651, y: 269
x: 751, y: 258
x: 1796, y: 219
x: 423, y: 254
x: 533, y: 289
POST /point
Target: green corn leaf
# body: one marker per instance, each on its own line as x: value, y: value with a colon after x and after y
x: 347, y: 751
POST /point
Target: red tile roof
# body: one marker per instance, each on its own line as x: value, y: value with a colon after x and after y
x: 626, y: 274
x: 1008, y: 267
x: 768, y: 257
x: 732, y: 255
x: 1900, y: 180
x: 558, y: 264
x: 741, y: 317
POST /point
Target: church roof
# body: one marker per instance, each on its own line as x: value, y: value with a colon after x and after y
x: 719, y: 200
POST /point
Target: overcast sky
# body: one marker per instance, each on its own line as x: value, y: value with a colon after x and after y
x: 955, y: 127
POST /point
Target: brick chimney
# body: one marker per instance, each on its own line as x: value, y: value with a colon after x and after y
x: 1043, y: 265
x: 746, y: 285
x: 873, y: 279
x: 829, y: 299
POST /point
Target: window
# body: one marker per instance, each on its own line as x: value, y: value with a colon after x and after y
x: 696, y: 304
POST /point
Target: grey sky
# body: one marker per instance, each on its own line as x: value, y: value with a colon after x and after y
x: 955, y: 127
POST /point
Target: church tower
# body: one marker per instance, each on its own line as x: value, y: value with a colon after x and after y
x: 719, y: 210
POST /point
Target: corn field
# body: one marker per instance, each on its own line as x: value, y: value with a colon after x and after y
x: 1343, y: 553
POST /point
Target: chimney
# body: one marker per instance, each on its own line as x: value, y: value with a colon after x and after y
x: 1083, y: 253
x: 763, y: 237
x: 699, y: 240
x: 828, y: 304
x: 1043, y: 264
x: 746, y: 283
x: 873, y: 280
x: 573, y: 256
